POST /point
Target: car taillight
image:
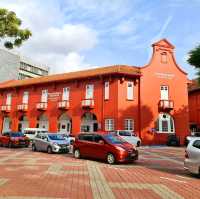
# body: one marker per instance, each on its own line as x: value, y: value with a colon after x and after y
x: 186, y: 154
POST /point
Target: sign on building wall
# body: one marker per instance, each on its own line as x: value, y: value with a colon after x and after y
x: 54, y: 96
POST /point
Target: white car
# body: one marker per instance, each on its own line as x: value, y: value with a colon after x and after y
x: 129, y: 136
x: 68, y: 137
x: 192, y: 156
x: 32, y: 132
x: 193, y: 136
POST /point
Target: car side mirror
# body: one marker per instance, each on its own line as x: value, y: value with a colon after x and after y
x: 101, y: 142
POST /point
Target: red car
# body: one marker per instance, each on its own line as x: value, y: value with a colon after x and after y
x: 14, y: 139
x: 104, y: 147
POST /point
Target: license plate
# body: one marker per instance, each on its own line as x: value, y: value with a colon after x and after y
x: 22, y: 142
x: 132, y: 155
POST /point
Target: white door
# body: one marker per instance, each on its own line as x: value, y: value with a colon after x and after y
x: 25, y: 98
x: 44, y: 96
x: 8, y: 99
x: 6, y: 124
x: 65, y: 96
x: 164, y: 93
x: 89, y: 91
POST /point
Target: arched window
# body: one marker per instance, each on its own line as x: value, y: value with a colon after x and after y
x: 165, y: 123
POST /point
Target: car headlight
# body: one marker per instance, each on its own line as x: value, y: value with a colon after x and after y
x: 55, y: 144
x: 120, y: 149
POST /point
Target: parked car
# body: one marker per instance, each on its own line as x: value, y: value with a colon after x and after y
x: 193, y: 135
x: 173, y: 140
x: 192, y: 156
x: 50, y: 142
x: 32, y: 132
x: 104, y: 147
x: 14, y: 139
x: 129, y: 136
x: 68, y: 137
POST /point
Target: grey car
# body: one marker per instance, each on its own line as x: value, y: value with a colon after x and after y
x: 192, y: 156
x: 50, y: 142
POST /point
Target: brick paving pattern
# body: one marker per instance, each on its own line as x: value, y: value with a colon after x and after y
x: 158, y: 174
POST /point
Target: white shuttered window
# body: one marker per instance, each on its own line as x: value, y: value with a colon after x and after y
x: 25, y: 98
x: 130, y: 90
x: 44, y: 96
x: 65, y: 95
x: 106, y: 90
x: 8, y: 99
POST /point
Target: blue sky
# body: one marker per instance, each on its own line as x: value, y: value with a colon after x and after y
x: 71, y: 35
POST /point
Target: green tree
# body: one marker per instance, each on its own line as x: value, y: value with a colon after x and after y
x: 194, y: 60
x: 10, y: 30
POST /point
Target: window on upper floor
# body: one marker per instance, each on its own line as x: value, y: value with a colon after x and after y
x: 106, y: 90
x: 164, y: 92
x: 130, y: 88
x: 8, y: 99
x: 164, y: 57
x: 44, y: 97
x: 25, y: 97
x: 89, y: 91
x: 65, y: 94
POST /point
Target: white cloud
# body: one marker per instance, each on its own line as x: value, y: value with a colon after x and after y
x: 55, y: 42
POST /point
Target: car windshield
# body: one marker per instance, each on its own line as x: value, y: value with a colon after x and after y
x: 17, y: 134
x: 125, y: 133
x: 55, y: 137
x: 113, y: 139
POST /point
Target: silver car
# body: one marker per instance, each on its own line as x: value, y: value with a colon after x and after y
x: 192, y: 156
x: 50, y: 142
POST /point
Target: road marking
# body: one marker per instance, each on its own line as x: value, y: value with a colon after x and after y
x: 99, y: 185
x: 173, y: 180
x: 3, y: 181
x: 163, y: 191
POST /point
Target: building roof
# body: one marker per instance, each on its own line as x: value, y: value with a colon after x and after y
x: 115, y: 69
x: 193, y: 86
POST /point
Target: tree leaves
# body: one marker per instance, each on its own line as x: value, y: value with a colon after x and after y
x: 10, y: 29
x: 194, y: 57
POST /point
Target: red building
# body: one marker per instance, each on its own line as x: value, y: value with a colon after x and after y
x: 194, y: 106
x: 151, y: 100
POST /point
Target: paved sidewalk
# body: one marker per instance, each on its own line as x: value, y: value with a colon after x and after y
x: 158, y: 174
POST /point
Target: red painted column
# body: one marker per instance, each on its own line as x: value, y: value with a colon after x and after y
x: 139, y: 108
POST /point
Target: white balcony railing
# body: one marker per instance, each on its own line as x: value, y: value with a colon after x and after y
x: 63, y: 105
x: 166, y: 104
x: 87, y: 103
x: 6, y: 108
x: 22, y: 107
x: 41, y: 106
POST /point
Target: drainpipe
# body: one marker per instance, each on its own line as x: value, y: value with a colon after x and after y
x: 139, y: 107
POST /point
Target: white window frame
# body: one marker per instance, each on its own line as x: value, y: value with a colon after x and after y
x: 129, y: 124
x: 169, y: 119
x: 164, y: 88
x: 44, y: 96
x: 89, y: 93
x: 109, y: 124
x: 65, y: 94
x: 106, y: 90
x: 25, y: 97
x: 130, y: 92
x: 8, y: 99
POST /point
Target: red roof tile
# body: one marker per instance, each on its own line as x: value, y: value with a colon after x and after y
x: 116, y: 69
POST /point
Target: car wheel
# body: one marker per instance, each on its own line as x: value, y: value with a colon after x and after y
x: 10, y: 144
x: 77, y: 153
x: 34, y: 147
x: 1, y: 143
x: 110, y: 158
x: 71, y: 142
x: 138, y: 143
x: 49, y: 150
